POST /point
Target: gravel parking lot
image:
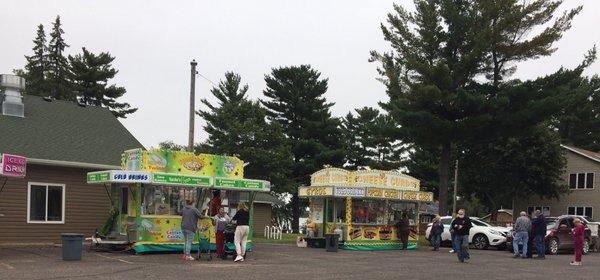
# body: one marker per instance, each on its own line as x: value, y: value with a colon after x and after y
x: 270, y: 261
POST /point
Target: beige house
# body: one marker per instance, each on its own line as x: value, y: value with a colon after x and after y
x: 581, y: 174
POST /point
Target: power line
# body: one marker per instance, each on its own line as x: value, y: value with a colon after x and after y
x: 213, y: 83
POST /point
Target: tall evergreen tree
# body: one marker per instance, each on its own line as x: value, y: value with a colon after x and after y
x: 579, y: 122
x: 498, y: 171
x: 37, y: 65
x: 441, y: 50
x: 238, y: 126
x: 370, y: 140
x: 59, y: 85
x: 90, y: 74
x: 295, y: 100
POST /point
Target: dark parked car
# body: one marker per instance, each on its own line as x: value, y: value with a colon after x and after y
x: 558, y: 235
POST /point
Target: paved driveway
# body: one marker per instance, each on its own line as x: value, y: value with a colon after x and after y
x: 289, y: 262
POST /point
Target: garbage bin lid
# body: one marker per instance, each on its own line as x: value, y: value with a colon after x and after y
x: 72, y: 234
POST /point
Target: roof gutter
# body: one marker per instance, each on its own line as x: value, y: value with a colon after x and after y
x: 74, y: 164
x: 580, y: 153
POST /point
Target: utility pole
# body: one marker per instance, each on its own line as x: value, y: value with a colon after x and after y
x: 192, y: 105
x: 455, y: 187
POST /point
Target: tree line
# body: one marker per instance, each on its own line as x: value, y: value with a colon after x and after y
x: 82, y: 78
x: 451, y: 96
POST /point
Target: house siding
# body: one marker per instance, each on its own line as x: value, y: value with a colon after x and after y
x: 577, y: 197
x: 86, y: 206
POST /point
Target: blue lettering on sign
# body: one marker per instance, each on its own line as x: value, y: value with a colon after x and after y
x: 130, y: 177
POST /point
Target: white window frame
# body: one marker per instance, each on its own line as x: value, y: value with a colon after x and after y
x: 541, y: 209
x: 584, y: 214
x: 64, y: 203
x: 584, y: 181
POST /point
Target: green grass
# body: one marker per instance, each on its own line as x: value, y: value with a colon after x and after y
x: 286, y: 238
x: 289, y: 238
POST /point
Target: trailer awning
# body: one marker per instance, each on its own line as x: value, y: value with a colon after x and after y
x: 172, y: 179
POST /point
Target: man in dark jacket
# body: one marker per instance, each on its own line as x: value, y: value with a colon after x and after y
x: 404, y: 230
x: 462, y: 225
x: 189, y: 221
x: 539, y: 230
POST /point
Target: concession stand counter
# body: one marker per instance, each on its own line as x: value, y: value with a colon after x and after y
x: 363, y: 206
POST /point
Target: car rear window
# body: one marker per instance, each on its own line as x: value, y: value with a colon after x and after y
x: 447, y: 221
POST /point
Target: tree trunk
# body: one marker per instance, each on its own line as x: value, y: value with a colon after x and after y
x: 444, y: 176
x: 295, y: 213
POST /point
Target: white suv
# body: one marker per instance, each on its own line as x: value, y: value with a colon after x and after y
x: 481, y: 236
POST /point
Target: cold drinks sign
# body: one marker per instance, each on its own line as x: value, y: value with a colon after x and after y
x: 13, y: 166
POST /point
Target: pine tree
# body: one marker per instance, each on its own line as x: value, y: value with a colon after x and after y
x: 238, y: 126
x: 295, y: 100
x: 90, y: 74
x: 579, y: 122
x: 370, y: 141
x: 439, y: 53
x: 59, y: 85
x: 520, y: 166
x: 36, y: 67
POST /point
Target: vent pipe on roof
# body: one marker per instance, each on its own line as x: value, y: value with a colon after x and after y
x: 12, y: 100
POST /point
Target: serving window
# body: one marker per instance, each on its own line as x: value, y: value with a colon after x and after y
x: 368, y: 211
x: 162, y: 200
x: 396, y: 209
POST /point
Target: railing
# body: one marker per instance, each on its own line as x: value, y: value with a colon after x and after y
x: 273, y: 232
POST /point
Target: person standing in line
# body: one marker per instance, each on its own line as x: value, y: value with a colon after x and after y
x: 189, y: 221
x: 521, y: 228
x: 437, y: 228
x: 242, y: 219
x: 453, y: 237
x: 578, y: 240
x: 539, y: 231
x: 221, y: 220
x: 462, y: 225
x: 404, y: 230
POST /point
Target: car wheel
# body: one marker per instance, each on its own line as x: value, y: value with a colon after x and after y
x: 480, y: 241
x: 586, y: 246
x: 553, y: 246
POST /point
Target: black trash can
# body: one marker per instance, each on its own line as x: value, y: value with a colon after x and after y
x: 331, y: 242
x: 72, y: 244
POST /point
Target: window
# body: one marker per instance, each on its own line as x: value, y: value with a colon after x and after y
x: 589, y: 181
x: 367, y: 211
x: 573, y: 181
x: 124, y: 201
x: 544, y: 209
x: 581, y: 180
x: 581, y: 211
x: 161, y: 200
x: 396, y: 209
x: 45, y: 203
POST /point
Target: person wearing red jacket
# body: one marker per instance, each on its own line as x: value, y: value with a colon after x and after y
x: 578, y: 239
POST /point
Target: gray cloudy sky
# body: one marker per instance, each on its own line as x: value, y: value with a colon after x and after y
x: 154, y: 41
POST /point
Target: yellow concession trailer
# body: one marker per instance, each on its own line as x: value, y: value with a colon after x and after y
x: 364, y: 206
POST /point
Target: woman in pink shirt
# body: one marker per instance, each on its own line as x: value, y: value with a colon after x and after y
x: 578, y: 239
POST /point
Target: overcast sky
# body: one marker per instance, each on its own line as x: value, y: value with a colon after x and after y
x: 154, y: 41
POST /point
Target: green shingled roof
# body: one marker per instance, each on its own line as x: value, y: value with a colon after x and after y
x: 65, y: 131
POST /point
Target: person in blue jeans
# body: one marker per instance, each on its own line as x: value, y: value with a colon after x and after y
x: 521, y: 229
x: 437, y: 228
x: 539, y: 231
x: 462, y: 225
x: 189, y: 221
x: 452, y: 239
